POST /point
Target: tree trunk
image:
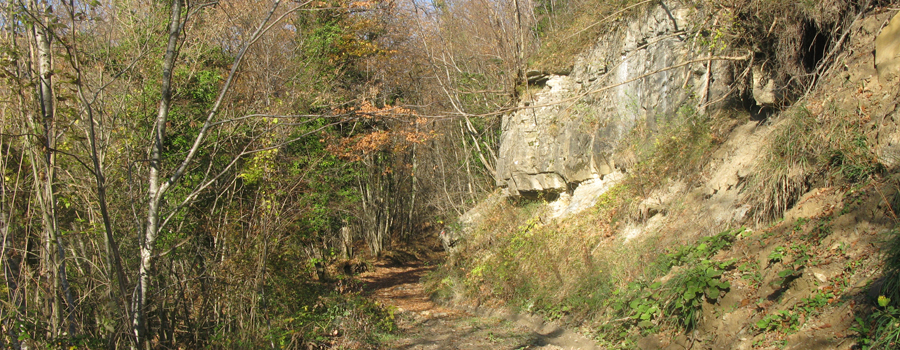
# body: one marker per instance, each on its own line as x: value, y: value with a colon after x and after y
x: 346, y: 241
x: 155, y: 189
x: 44, y: 185
x: 113, y: 259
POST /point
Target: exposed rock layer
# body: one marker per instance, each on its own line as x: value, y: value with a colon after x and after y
x: 568, y: 132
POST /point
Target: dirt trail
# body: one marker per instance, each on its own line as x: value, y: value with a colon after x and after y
x: 425, y: 325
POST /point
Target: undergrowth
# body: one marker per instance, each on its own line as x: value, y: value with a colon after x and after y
x: 315, y: 315
x: 678, y: 150
x: 517, y: 258
x: 644, y: 307
x: 553, y: 269
x: 881, y: 328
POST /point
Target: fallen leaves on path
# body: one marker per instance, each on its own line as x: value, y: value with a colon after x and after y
x: 426, y: 325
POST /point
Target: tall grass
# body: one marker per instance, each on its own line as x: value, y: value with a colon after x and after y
x: 832, y: 147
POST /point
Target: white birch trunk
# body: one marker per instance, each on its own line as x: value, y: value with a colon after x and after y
x: 155, y: 188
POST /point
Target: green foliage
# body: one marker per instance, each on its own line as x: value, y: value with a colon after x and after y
x: 750, y: 271
x: 780, y: 321
x: 681, y: 297
x: 703, y: 250
x: 881, y: 328
x: 776, y: 255
x: 204, y: 86
x: 645, y: 304
x: 796, y: 258
x: 884, y: 327
x: 691, y: 287
x: 332, y: 44
x: 678, y: 300
x: 812, y: 304
x: 891, y: 287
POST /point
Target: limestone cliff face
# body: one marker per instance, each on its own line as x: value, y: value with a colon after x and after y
x: 568, y: 132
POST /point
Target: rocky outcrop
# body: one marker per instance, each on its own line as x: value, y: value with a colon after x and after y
x: 887, y: 51
x: 568, y: 132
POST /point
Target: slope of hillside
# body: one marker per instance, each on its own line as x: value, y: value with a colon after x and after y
x: 773, y: 226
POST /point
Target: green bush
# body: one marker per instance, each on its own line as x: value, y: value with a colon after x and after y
x: 690, y: 288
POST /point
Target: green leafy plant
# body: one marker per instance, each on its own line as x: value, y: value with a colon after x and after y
x: 776, y: 255
x: 750, y: 271
x: 802, y: 257
x: 862, y: 328
x: 780, y: 321
x: 640, y: 303
x: 688, y: 289
x: 814, y: 302
x: 881, y: 330
x: 704, y: 249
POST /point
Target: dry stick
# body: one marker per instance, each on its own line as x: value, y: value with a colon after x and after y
x: 888, y: 203
x: 733, y: 88
x: 706, y: 81
x: 112, y: 247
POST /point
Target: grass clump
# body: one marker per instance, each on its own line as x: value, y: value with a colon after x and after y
x: 832, y: 147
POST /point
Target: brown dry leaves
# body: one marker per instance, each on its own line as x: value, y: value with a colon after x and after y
x: 394, y: 129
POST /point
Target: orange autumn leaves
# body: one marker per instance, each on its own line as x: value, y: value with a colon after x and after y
x: 387, y: 129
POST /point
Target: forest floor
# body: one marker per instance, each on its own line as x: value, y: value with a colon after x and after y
x: 422, y: 324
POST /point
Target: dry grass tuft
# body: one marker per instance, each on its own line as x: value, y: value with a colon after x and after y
x: 831, y: 147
